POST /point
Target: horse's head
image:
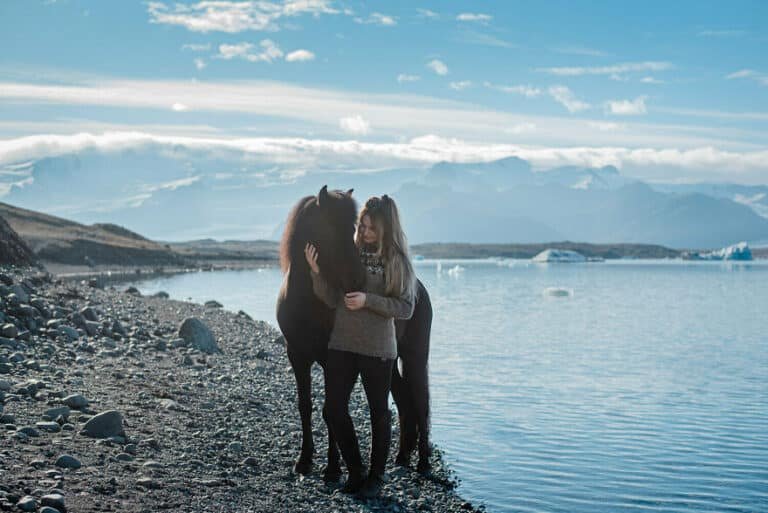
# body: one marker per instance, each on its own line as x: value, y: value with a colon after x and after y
x: 330, y: 226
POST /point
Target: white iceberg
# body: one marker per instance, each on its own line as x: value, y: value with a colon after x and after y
x: 738, y: 251
x: 559, y: 255
x: 455, y: 271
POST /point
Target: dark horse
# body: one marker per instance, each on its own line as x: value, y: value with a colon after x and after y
x: 328, y: 221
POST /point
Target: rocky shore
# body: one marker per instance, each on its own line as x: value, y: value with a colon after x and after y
x: 110, y: 401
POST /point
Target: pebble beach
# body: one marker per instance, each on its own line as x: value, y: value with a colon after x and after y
x: 113, y: 401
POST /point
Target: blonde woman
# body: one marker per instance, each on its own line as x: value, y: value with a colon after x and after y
x: 363, y: 338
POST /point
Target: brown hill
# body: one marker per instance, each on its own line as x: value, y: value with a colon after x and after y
x: 59, y: 240
x: 13, y: 249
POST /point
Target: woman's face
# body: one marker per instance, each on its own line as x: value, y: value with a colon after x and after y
x: 368, y: 231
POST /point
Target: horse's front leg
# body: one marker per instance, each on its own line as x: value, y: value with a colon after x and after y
x: 301, y: 370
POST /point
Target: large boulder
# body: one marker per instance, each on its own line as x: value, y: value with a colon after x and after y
x: 197, y: 335
x: 105, y: 425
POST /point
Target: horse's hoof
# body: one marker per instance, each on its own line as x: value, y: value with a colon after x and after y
x: 424, y: 467
x: 302, y: 467
x: 332, y: 475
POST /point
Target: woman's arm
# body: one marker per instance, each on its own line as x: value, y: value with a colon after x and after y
x: 386, y: 306
x: 320, y: 286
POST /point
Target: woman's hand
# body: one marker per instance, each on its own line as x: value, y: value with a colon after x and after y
x: 310, y: 253
x: 354, y: 300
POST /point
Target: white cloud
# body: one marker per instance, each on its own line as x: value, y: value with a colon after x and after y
x: 300, y: 56
x: 525, y: 90
x: 606, y: 126
x: 426, y: 13
x: 567, y: 99
x: 438, y: 67
x: 179, y: 107
x: 651, y: 80
x: 627, y: 107
x: 615, y: 69
x: 290, y: 109
x: 268, y: 53
x: 377, y: 18
x: 580, y: 50
x: 743, y: 73
x: 481, y: 38
x: 474, y: 17
x: 751, y: 74
x: 197, y: 47
x: 419, y: 150
x: 233, y: 17
x: 402, y: 77
x: 461, y: 85
x: 355, y: 125
x: 200, y: 64
x: 522, y: 128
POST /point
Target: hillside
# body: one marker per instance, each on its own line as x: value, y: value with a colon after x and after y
x: 59, y: 240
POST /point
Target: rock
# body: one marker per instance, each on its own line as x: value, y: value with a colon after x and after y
x: 69, y: 332
x: 197, y: 335
x: 27, y: 503
x: 9, y: 330
x: 5, y: 385
x: 48, y: 509
x: 235, y: 447
x: 51, y: 427
x: 250, y: 461
x: 54, y: 413
x: 133, y: 291
x: 213, y: 304
x: 242, y: 313
x: 21, y: 294
x: 54, y: 500
x: 7, y: 418
x: 75, y: 401
x: 105, y: 425
x: 178, y: 342
x: 123, y: 456
x: 161, y: 294
x: 89, y: 313
x: 5, y: 368
x: 29, y: 431
x: 67, y: 461
x: 148, y: 482
x: 92, y: 327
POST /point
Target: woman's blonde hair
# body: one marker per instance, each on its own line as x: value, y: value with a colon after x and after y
x: 392, y: 244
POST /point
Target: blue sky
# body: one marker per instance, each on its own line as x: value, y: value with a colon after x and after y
x: 678, y: 84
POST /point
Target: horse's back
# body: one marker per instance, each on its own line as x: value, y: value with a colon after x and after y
x: 413, y: 334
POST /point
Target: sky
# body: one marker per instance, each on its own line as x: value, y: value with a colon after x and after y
x: 674, y: 91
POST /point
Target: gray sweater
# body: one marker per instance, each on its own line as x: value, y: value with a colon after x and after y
x: 370, y: 330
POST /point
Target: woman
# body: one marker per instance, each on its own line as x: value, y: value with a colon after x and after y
x: 363, y: 338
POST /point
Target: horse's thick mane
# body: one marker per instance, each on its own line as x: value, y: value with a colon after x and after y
x: 289, y: 233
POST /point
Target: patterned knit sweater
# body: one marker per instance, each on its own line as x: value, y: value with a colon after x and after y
x: 370, y: 330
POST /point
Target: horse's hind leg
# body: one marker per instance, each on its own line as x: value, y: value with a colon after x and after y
x: 301, y: 370
x: 407, y: 420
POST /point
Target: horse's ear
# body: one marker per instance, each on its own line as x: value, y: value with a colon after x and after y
x: 322, y: 196
x: 349, y: 192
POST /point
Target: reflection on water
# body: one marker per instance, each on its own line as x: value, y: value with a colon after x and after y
x: 644, y: 388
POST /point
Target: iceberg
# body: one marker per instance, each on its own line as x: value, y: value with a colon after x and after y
x: 559, y: 255
x: 558, y: 292
x: 738, y: 251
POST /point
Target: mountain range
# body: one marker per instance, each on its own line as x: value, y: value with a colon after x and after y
x: 176, y: 196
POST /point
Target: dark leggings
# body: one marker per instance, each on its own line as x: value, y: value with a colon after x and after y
x: 342, y: 369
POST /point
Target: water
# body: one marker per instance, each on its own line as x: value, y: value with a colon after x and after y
x: 644, y: 389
